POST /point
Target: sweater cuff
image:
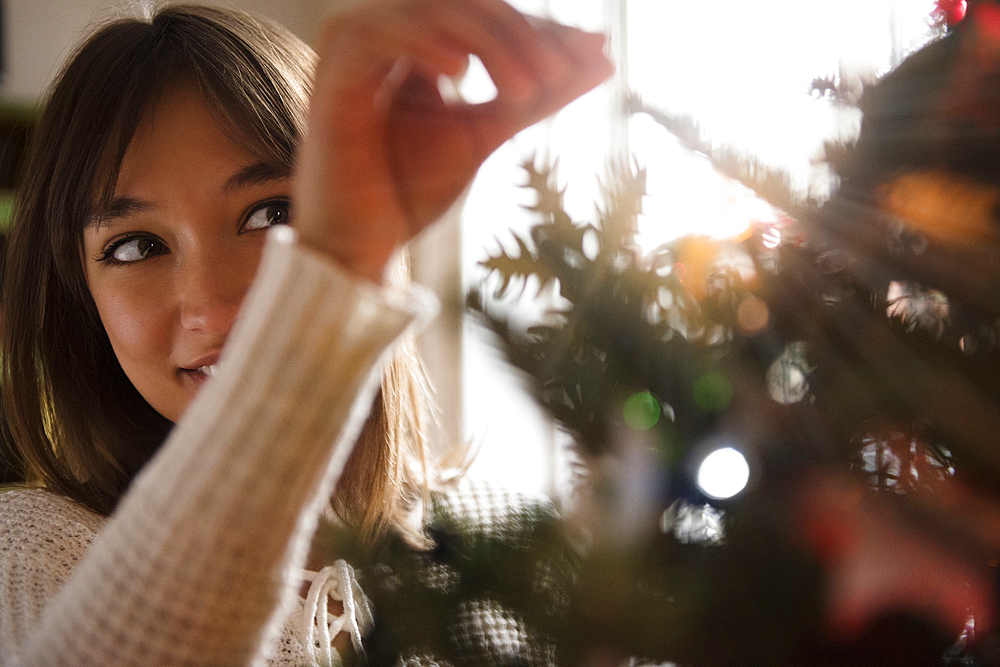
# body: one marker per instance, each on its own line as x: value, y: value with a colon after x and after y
x: 284, y: 256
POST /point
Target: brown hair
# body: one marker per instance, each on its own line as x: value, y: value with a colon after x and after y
x: 80, y: 427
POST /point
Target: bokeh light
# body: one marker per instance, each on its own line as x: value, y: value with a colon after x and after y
x: 693, y: 524
x: 788, y: 375
x: 771, y: 238
x: 752, y: 315
x: 641, y: 411
x: 724, y: 473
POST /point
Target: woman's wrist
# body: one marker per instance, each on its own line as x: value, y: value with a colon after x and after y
x: 365, y: 258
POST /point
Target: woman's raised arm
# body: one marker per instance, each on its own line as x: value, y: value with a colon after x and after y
x: 195, y: 565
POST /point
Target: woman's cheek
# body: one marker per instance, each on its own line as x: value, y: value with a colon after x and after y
x: 136, y: 317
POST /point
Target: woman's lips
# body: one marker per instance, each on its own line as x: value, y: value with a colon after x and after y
x: 201, y: 374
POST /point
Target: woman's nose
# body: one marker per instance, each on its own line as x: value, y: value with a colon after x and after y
x: 212, y: 287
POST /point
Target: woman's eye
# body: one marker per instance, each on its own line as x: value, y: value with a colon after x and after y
x: 273, y: 212
x: 133, y: 249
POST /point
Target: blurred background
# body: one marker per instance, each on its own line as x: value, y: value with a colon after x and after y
x: 767, y: 78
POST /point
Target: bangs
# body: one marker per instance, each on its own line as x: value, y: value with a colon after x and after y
x: 255, y: 77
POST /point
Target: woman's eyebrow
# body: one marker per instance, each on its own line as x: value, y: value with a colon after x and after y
x: 254, y: 174
x: 259, y: 172
x: 119, y: 207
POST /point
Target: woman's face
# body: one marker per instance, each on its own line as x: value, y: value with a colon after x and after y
x: 169, y: 262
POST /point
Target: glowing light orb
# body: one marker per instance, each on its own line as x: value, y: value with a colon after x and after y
x: 752, y: 315
x: 641, y: 411
x: 723, y: 473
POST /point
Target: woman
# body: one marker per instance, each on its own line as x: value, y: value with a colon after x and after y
x: 136, y: 311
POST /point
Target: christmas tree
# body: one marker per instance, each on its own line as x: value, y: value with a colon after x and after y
x: 851, y: 354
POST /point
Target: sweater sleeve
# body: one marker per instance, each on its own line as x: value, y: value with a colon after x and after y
x: 194, y: 567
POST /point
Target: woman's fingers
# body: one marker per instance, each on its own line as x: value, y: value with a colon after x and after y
x: 385, y: 154
x: 359, y: 50
x: 582, y: 66
x: 515, y: 34
x: 523, y: 55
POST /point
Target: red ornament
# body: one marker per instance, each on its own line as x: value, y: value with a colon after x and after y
x: 951, y: 11
x: 987, y: 20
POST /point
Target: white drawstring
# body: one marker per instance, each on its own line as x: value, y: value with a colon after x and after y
x: 319, y: 626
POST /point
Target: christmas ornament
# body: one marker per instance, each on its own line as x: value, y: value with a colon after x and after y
x: 950, y: 11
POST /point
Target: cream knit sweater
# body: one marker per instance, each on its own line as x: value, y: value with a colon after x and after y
x: 200, y: 563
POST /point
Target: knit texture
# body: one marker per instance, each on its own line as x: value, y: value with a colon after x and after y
x: 199, y: 564
x: 44, y: 537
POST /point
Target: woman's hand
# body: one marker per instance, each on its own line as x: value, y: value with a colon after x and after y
x: 385, y: 155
